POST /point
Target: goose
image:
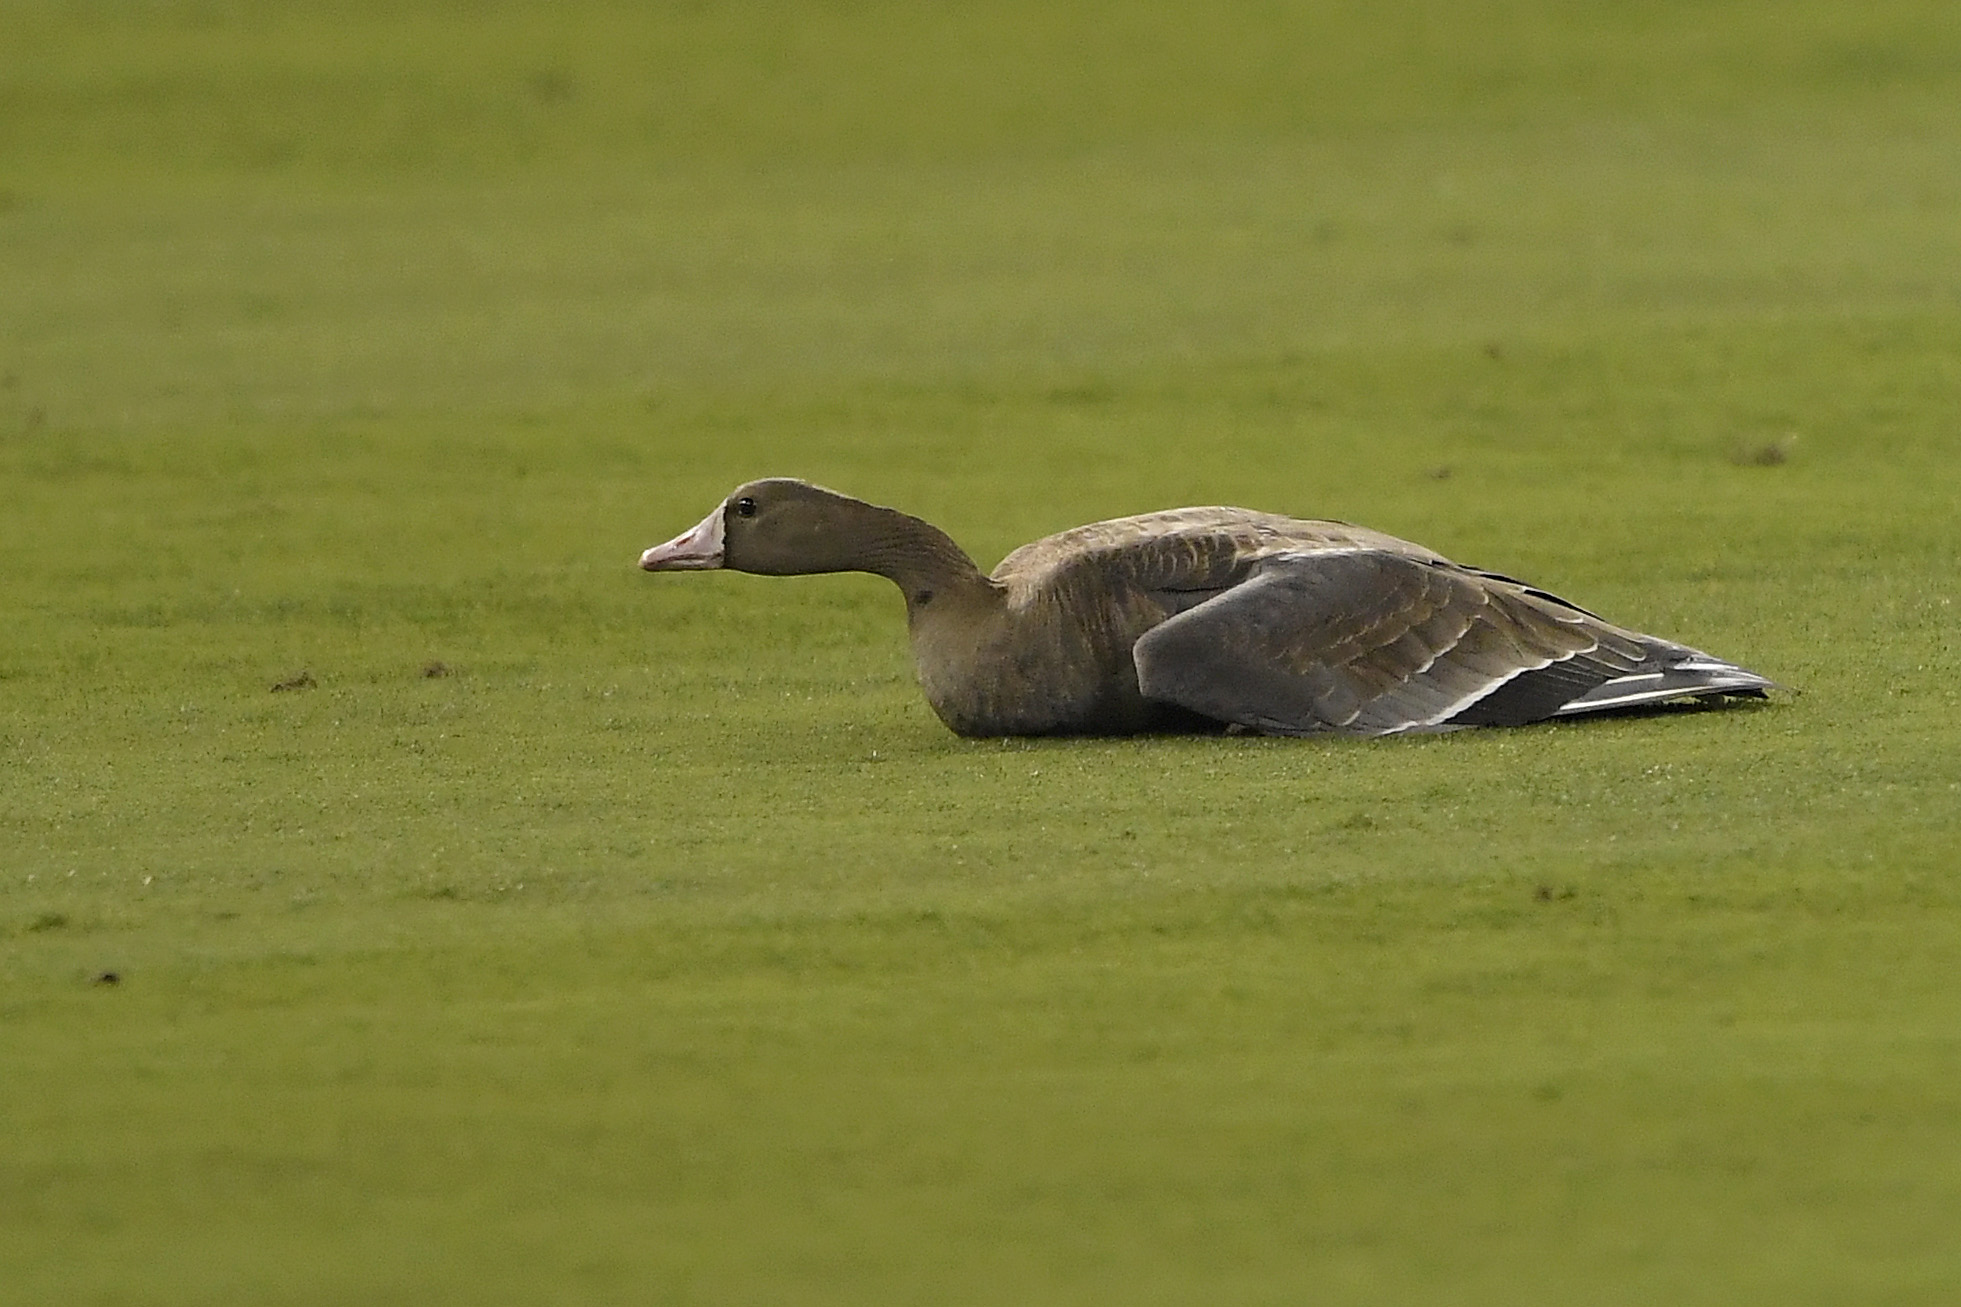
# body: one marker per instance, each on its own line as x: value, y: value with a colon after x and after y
x: 1209, y: 618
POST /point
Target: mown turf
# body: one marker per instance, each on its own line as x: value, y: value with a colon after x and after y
x: 560, y: 933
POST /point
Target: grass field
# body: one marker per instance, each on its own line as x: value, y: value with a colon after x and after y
x: 490, y: 922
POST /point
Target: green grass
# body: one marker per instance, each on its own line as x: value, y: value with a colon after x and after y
x: 663, y: 948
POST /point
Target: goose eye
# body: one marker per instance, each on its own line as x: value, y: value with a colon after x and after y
x: 745, y: 507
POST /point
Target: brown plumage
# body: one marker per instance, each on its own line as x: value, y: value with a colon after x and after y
x: 1209, y: 617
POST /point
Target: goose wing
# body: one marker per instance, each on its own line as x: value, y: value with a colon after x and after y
x: 1366, y: 641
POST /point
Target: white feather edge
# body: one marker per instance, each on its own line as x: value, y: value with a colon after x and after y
x: 1741, y: 680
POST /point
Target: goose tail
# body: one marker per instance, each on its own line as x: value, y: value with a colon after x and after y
x: 1678, y: 674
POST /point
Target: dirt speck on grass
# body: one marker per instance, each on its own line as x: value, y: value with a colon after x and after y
x: 1770, y: 453
x: 437, y: 667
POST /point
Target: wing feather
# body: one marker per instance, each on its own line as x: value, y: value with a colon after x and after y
x: 1373, y: 642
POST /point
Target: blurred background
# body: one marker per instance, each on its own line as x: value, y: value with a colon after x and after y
x: 230, y: 211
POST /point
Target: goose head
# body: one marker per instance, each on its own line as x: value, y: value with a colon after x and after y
x: 775, y: 527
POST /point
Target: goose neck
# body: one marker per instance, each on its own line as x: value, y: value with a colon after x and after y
x: 925, y: 563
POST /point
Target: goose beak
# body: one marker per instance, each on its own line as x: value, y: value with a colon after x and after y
x: 692, y: 551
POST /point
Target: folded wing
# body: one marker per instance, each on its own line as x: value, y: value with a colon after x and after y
x: 1373, y: 642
